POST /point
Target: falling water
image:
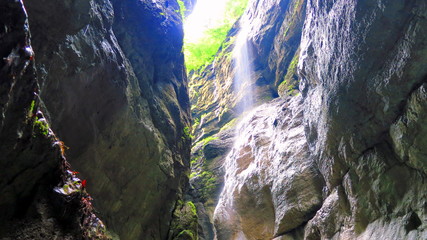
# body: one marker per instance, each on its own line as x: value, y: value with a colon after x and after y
x: 243, y: 69
x: 225, y: 213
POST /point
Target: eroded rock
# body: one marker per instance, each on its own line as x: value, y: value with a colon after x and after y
x: 114, y: 89
x: 271, y: 185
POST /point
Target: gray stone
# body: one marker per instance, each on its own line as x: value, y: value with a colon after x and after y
x: 362, y: 72
x: 271, y: 185
x: 113, y: 84
x: 408, y: 133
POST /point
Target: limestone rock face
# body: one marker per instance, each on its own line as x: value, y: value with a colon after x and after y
x: 25, y: 159
x: 345, y: 159
x: 271, y: 183
x: 113, y: 86
x: 408, y: 132
x: 273, y: 38
x: 31, y: 156
x: 360, y: 84
x: 370, y: 71
x: 274, y: 33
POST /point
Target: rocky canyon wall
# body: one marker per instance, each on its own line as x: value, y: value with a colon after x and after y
x: 112, y: 84
x: 331, y: 147
x: 340, y: 155
x: 358, y: 84
x: 274, y: 31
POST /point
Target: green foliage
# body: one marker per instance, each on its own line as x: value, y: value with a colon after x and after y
x: 32, y: 105
x: 41, y: 126
x: 185, y: 234
x: 209, y: 184
x: 182, y: 8
x: 229, y: 125
x: 193, y: 162
x: 201, y: 53
x: 184, y: 225
x: 208, y: 181
x: 225, y: 52
x: 289, y: 85
x: 192, y: 207
x: 187, y: 133
x: 193, y: 175
x: 206, y: 140
x: 196, y: 123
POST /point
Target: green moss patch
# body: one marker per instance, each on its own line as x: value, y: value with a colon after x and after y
x: 289, y: 85
x: 41, y: 127
x: 185, y: 221
x: 182, y: 8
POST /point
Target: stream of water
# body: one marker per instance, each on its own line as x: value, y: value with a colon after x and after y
x: 243, y: 69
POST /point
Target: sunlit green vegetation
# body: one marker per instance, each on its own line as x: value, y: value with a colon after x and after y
x: 181, y: 8
x: 290, y: 83
x: 202, y: 52
x: 41, y: 126
x: 187, y: 133
x: 229, y: 125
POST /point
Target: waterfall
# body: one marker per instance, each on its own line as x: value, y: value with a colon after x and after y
x: 243, y: 69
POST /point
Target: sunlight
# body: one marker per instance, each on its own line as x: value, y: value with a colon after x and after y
x: 206, y: 14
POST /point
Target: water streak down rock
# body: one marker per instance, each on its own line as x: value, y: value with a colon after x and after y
x: 353, y: 165
x: 271, y: 183
x: 273, y: 34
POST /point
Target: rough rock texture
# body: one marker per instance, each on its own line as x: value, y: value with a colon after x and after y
x: 271, y: 183
x: 17, y: 87
x: 185, y: 223
x: 360, y: 82
x: 31, y: 156
x: 408, y: 132
x: 274, y: 37
x: 362, y: 108
x: 114, y: 89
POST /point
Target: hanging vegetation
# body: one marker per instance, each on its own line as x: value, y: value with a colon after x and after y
x: 202, y: 51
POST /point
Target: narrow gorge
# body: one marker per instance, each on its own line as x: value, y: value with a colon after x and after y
x: 281, y: 119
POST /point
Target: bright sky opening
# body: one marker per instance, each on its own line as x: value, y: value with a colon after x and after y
x: 206, y: 14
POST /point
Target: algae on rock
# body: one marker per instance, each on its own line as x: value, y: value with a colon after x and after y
x: 184, y: 224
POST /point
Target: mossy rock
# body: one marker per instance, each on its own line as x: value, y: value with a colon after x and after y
x: 289, y: 85
x: 185, y: 235
x: 185, y: 221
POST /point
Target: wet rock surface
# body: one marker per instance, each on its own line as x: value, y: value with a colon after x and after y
x: 27, y: 159
x: 271, y: 183
x: 360, y: 166
x: 341, y: 155
x: 113, y: 86
x: 274, y: 36
x: 31, y: 156
x: 373, y: 75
